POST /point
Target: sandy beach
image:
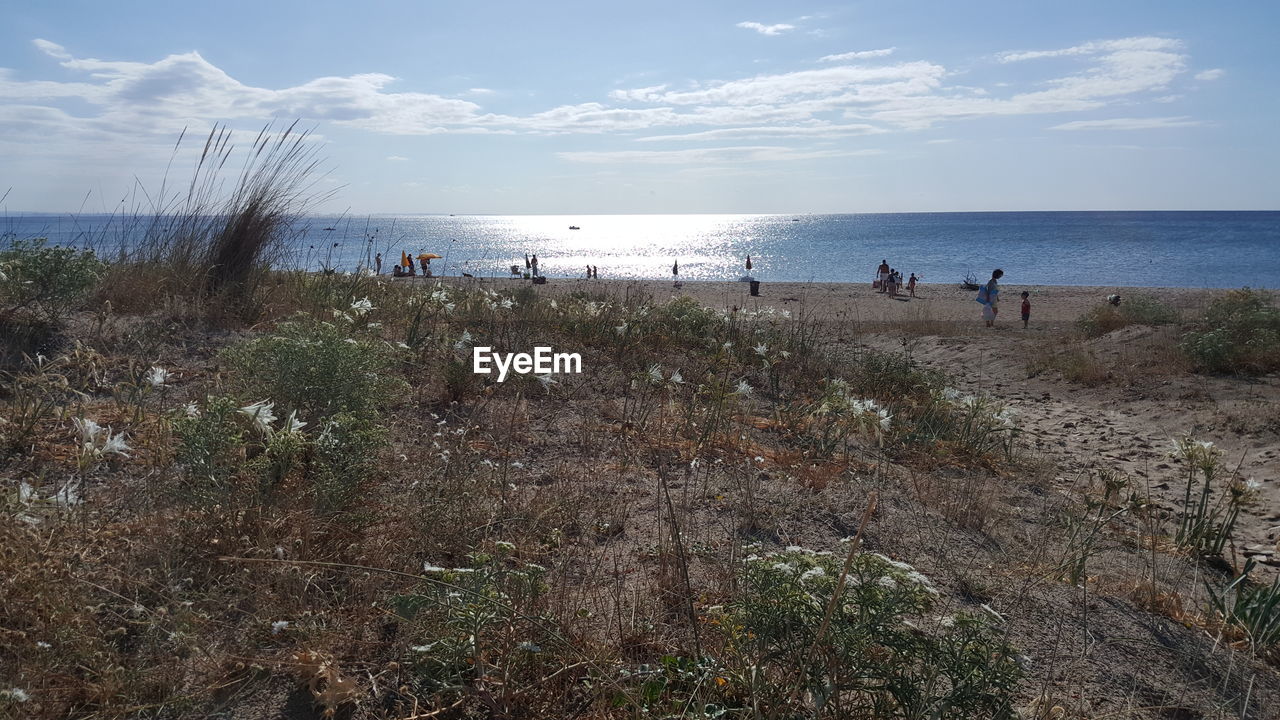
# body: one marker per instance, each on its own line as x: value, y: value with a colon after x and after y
x: 1138, y: 395
x: 1053, y: 306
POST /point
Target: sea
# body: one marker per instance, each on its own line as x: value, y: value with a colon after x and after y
x: 1218, y: 249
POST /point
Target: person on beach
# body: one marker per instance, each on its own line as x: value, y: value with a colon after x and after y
x: 533, y: 262
x: 748, y: 263
x: 595, y: 271
x: 675, y: 274
x: 911, y: 285
x: 377, y: 260
x: 588, y: 272
x: 891, y: 284
x: 1026, y: 308
x: 883, y: 273
x: 989, y: 297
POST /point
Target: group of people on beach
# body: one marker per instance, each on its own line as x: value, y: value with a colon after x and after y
x: 889, y: 280
x: 407, y: 267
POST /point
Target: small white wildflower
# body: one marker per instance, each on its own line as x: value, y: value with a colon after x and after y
x: 157, y: 376
x: 677, y: 378
x: 463, y: 341
x: 292, y: 424
x: 655, y: 373
x: 743, y: 388
x: 16, y: 694
x: 547, y: 381
x: 262, y: 413
x: 885, y: 419
x: 507, y: 303
x: 43, y: 645
x: 812, y: 573
x: 428, y: 567
x: 761, y: 349
x: 87, y: 429
x: 115, y: 444
x: 361, y: 306
x: 191, y: 410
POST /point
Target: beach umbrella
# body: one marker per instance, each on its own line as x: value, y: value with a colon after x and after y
x: 404, y: 259
x: 748, y: 262
x: 429, y: 256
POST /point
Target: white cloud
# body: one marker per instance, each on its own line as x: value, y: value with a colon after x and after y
x: 744, y: 154
x: 1207, y: 75
x: 397, y: 158
x: 858, y: 55
x: 1129, y: 124
x: 802, y: 131
x: 51, y: 49
x: 113, y: 104
x: 767, y: 29
x: 1130, y: 44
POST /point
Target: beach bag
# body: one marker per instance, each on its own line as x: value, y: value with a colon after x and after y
x: 984, y: 296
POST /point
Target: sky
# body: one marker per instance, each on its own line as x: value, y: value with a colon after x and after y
x: 657, y: 107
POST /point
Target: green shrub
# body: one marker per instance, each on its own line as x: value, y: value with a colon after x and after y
x: 1240, y: 333
x: 209, y: 447
x: 345, y: 453
x: 39, y: 282
x: 1253, y: 609
x: 470, y: 623
x: 1134, y: 310
x: 880, y: 656
x: 315, y: 369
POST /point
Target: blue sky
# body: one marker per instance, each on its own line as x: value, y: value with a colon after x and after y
x: 581, y: 107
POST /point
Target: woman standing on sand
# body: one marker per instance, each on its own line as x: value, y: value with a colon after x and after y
x: 989, y: 296
x: 675, y: 274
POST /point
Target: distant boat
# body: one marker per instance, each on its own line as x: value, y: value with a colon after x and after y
x: 795, y: 219
x: 329, y: 228
x: 574, y: 227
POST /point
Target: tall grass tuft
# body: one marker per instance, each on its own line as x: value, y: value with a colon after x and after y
x: 207, y: 239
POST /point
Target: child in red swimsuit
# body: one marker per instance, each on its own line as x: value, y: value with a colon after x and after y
x: 1026, y: 308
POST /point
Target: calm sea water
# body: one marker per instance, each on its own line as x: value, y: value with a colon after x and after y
x: 1182, y: 249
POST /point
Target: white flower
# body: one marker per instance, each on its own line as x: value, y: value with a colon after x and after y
x: 361, y: 306
x: 812, y: 573
x: 885, y: 419
x: 191, y: 410
x: 16, y: 694
x: 547, y: 381
x: 463, y: 341
x: 279, y: 626
x: 743, y: 388
x: 157, y: 376
x: 655, y: 373
x: 677, y: 378
x: 507, y: 304
x: 87, y: 429
x: 292, y: 424
x: 428, y: 567
x: 761, y: 349
x: 262, y: 414
x: 115, y: 444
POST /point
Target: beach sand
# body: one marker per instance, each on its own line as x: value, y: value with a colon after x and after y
x: 1129, y: 391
